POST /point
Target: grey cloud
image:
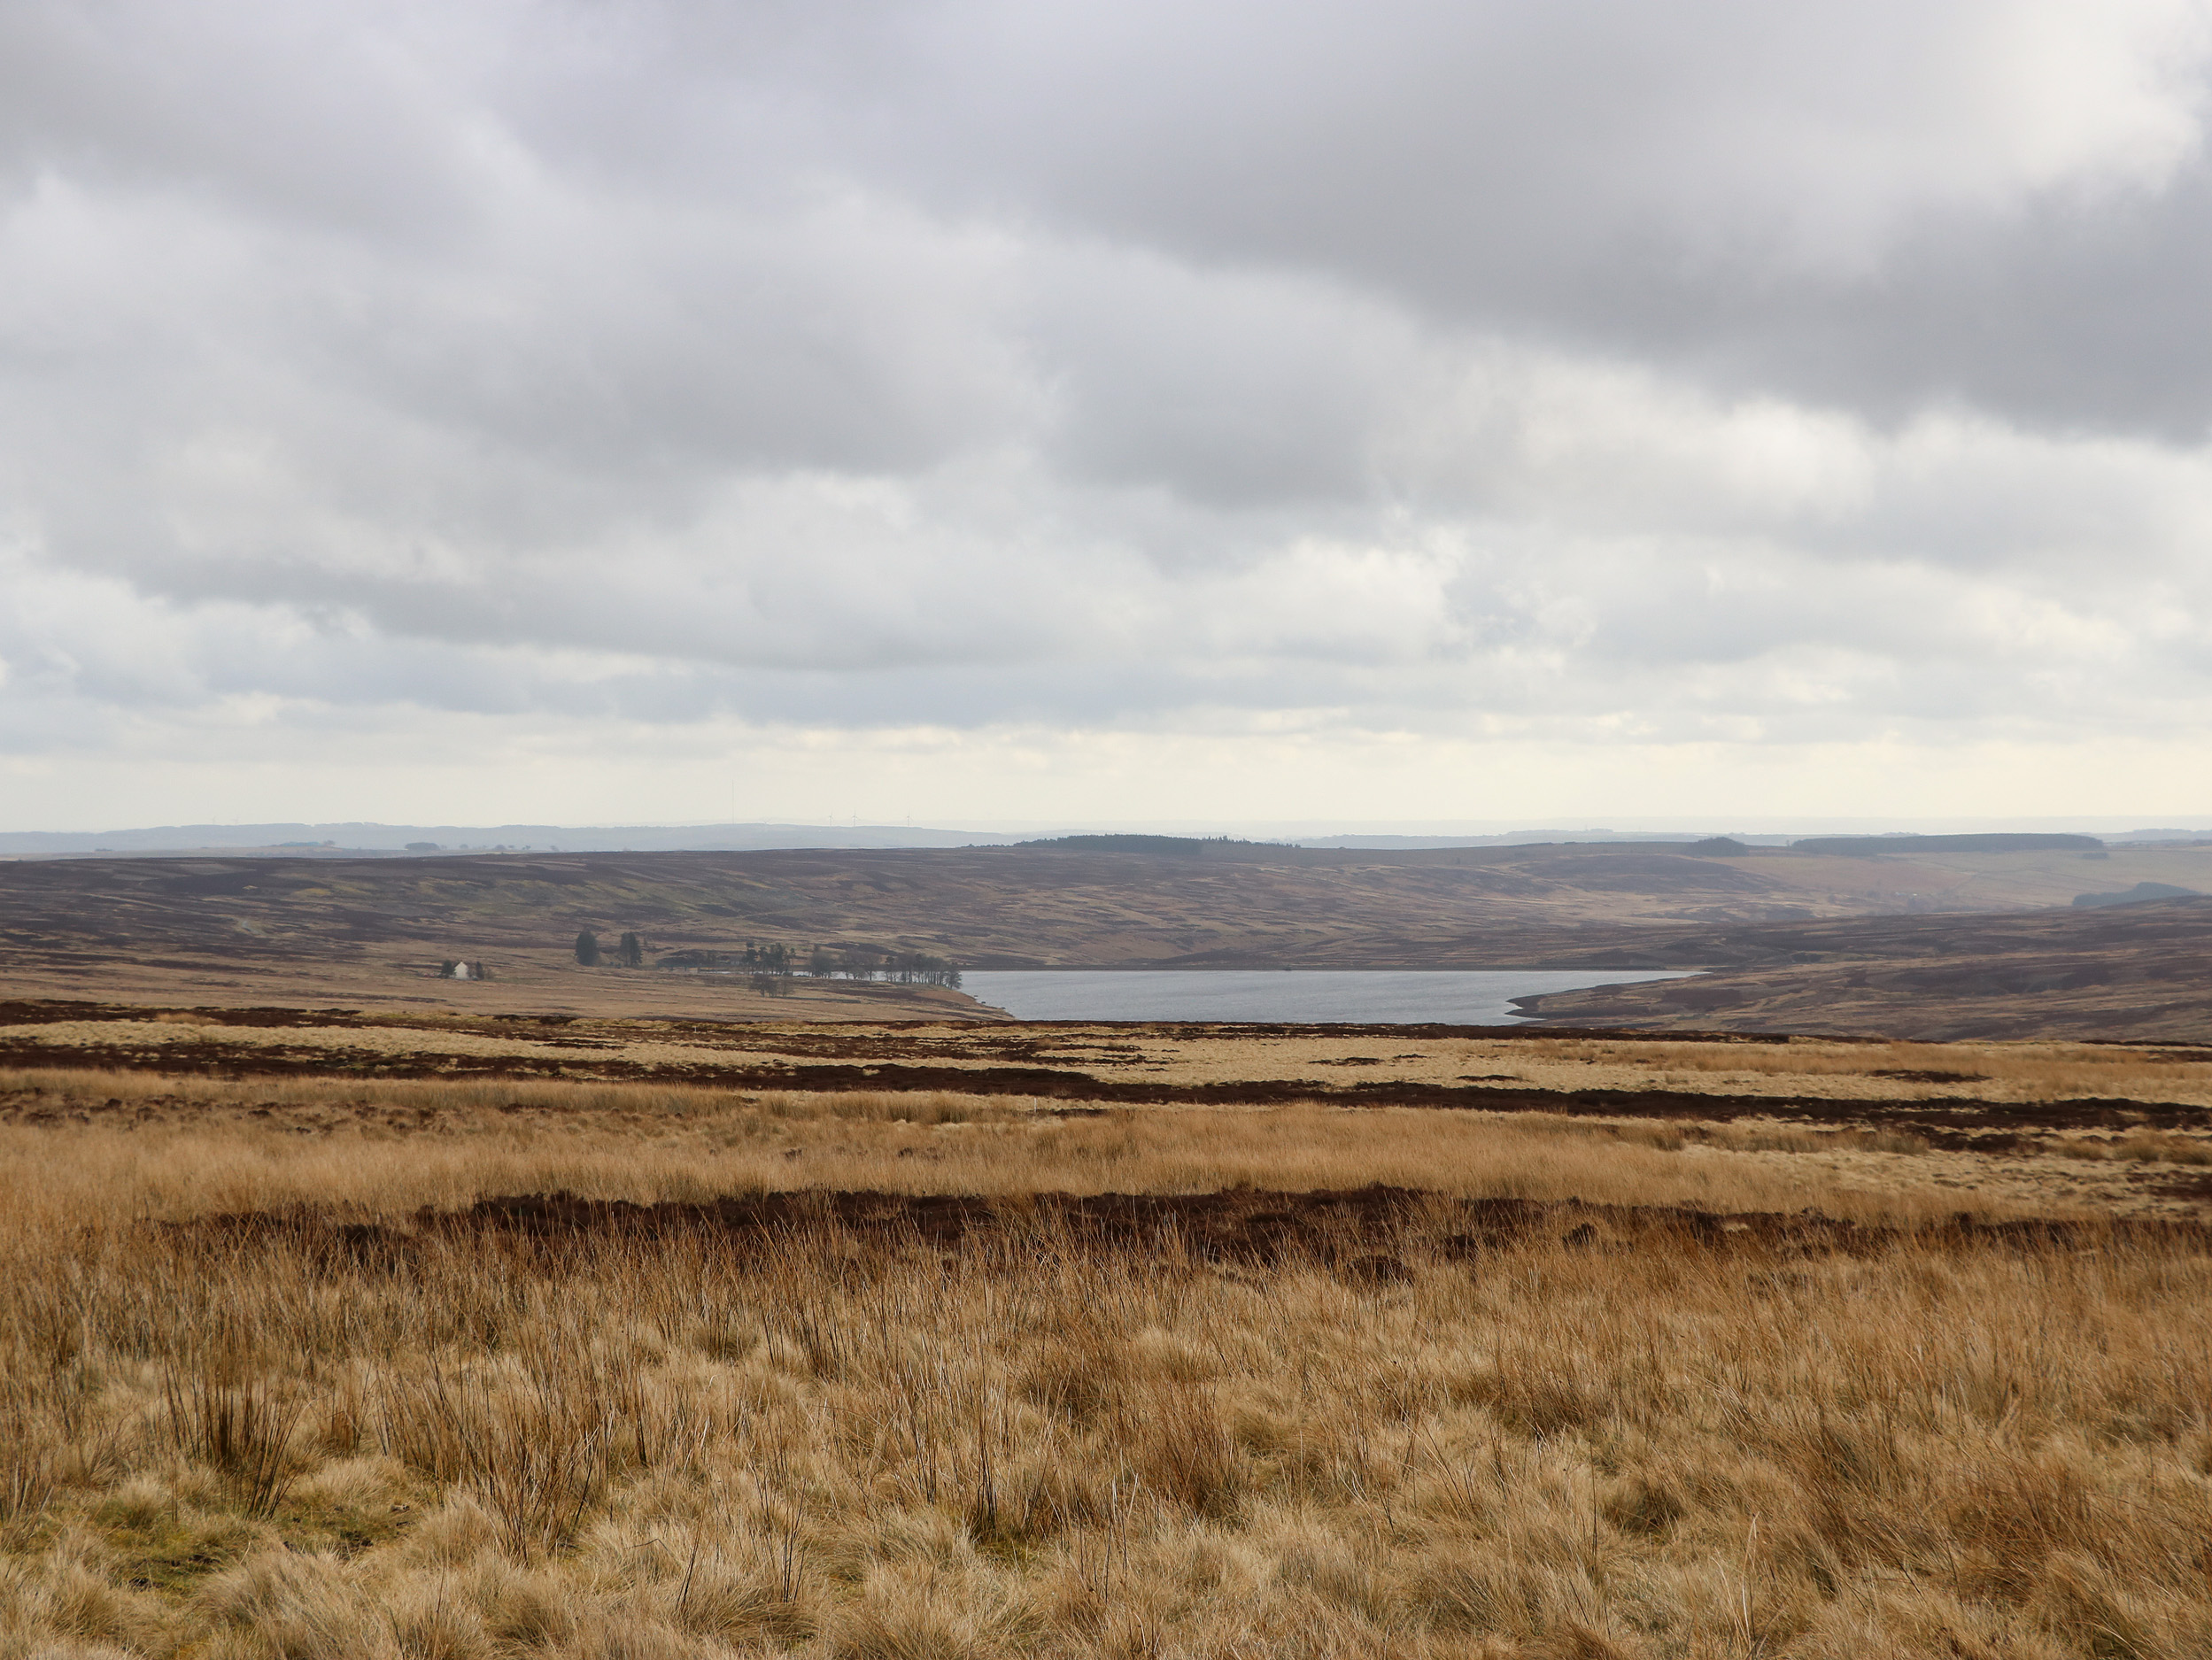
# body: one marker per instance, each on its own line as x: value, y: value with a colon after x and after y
x: 321, y: 114
x: 1772, y: 371
x: 1885, y: 205
x: 2071, y: 314
x: 1233, y: 391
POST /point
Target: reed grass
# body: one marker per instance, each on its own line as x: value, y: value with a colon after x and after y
x: 230, y: 1442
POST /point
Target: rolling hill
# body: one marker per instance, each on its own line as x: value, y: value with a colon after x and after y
x: 318, y: 930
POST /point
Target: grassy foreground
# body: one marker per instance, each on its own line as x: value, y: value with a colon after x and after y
x: 270, y: 1386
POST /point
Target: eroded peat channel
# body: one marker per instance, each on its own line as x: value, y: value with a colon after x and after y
x: 1364, y: 1235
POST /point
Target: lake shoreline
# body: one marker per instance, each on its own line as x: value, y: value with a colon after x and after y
x: 1353, y: 996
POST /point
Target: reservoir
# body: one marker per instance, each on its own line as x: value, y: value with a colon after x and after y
x: 1460, y: 997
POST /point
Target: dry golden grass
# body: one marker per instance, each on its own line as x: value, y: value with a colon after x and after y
x: 151, y: 1147
x: 1165, y: 1056
x: 264, y: 1143
x: 2000, y: 1071
x: 231, y: 1443
x: 1815, y: 1068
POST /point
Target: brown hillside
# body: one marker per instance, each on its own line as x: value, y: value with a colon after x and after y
x: 2126, y: 971
x: 373, y: 931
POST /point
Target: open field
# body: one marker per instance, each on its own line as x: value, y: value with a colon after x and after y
x: 2032, y: 1115
x: 287, y: 1369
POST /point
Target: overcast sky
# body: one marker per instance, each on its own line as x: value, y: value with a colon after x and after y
x: 973, y: 410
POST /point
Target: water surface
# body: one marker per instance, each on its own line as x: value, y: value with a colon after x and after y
x: 1463, y: 997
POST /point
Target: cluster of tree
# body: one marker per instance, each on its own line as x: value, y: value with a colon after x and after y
x: 773, y: 965
x: 870, y: 962
x: 850, y: 962
x: 913, y: 967
x: 455, y: 968
x: 630, y: 953
x: 919, y: 969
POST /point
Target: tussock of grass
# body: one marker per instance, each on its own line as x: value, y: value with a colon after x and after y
x: 239, y: 1445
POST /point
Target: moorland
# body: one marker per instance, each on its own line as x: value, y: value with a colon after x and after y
x: 1932, y: 944
x: 638, y: 1314
x: 427, y: 1335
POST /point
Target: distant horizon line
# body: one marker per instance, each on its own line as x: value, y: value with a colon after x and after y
x: 370, y: 835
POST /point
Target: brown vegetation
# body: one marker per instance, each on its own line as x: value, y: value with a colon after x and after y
x: 287, y: 1371
x: 2016, y: 1097
x: 2128, y: 972
x: 1812, y: 941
